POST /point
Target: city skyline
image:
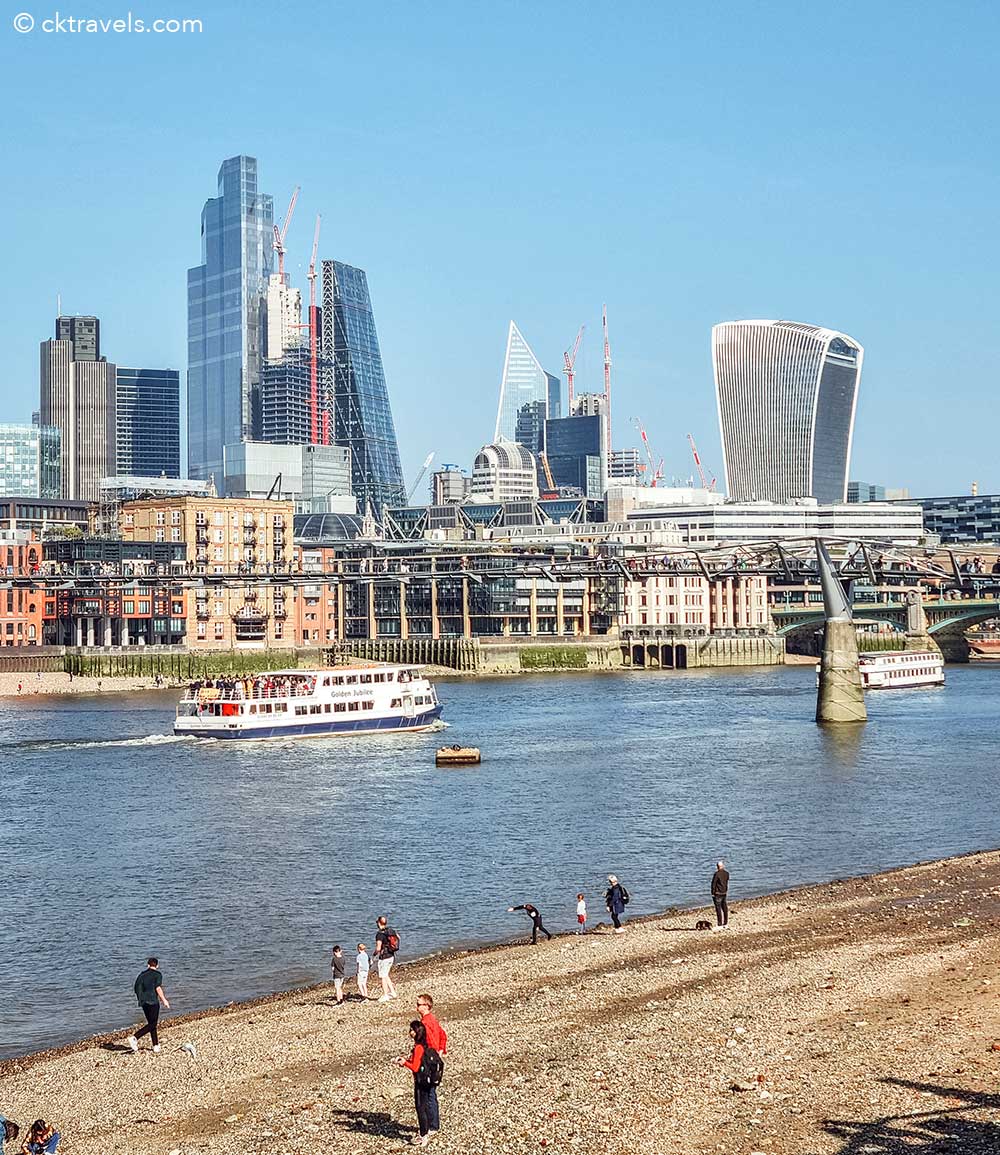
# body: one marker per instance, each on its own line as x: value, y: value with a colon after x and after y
x: 687, y: 198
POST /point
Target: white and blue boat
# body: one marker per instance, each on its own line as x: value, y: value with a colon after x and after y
x: 309, y: 703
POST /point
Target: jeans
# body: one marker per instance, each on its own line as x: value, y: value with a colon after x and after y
x: 615, y: 917
x: 152, y: 1013
x: 721, y: 909
x: 536, y: 926
x: 426, y: 1100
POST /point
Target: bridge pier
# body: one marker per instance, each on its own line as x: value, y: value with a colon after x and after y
x: 840, y: 696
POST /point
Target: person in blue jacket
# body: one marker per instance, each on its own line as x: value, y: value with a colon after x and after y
x: 616, y: 899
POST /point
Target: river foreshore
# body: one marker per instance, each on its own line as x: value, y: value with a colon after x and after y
x: 854, y: 1016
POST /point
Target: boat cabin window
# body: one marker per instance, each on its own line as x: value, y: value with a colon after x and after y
x: 339, y: 707
x: 280, y: 707
x: 326, y: 681
x: 317, y: 709
x: 301, y: 709
x: 253, y: 709
x: 326, y: 708
x: 352, y: 680
x: 389, y: 677
x: 380, y: 677
x: 352, y: 705
x: 368, y: 705
x: 395, y: 704
x: 366, y: 678
x: 338, y: 681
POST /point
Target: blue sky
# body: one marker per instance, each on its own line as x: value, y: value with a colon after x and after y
x: 685, y: 164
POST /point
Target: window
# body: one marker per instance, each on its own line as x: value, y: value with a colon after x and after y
x: 352, y: 705
x: 368, y: 705
x: 326, y: 708
x: 339, y: 707
x: 352, y: 680
x: 202, y: 629
x: 338, y: 681
x: 218, y: 518
x: 144, y: 607
x: 395, y: 704
x: 301, y: 709
x: 161, y: 517
x: 366, y: 678
x: 220, y: 629
x: 316, y: 709
x: 128, y: 608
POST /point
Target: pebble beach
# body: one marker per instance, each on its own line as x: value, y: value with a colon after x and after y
x: 857, y: 1016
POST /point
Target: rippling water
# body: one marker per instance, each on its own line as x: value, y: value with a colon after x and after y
x: 240, y: 865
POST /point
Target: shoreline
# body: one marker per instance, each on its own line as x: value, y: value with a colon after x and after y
x: 450, y: 954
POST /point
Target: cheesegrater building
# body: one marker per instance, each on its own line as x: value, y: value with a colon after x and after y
x: 787, y: 395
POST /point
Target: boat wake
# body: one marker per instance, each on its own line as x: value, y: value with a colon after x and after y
x: 87, y: 744
x: 437, y: 726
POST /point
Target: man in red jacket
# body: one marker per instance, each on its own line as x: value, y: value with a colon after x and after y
x: 437, y: 1037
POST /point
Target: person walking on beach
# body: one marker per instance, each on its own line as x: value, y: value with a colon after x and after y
x: 581, y: 914
x: 437, y: 1037
x: 720, y: 894
x: 386, y: 946
x: 149, y: 991
x: 427, y: 1067
x: 337, y: 964
x: 364, y: 966
x: 616, y: 898
x: 9, y: 1131
x: 536, y: 920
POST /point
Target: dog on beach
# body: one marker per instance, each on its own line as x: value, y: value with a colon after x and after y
x: 702, y: 924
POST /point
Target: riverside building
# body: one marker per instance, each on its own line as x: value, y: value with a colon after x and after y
x: 787, y: 395
x: 30, y: 461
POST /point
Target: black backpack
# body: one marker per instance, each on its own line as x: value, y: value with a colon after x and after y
x: 431, y: 1070
x: 625, y: 895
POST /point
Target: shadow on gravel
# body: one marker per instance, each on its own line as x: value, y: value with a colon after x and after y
x: 936, y: 1132
x: 372, y: 1123
x: 116, y: 1047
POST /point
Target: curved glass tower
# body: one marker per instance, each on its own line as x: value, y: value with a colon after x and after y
x: 787, y: 395
x: 528, y: 395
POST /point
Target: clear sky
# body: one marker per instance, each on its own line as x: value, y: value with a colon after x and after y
x: 686, y: 164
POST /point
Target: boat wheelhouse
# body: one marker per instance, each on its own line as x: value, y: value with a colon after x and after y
x: 309, y: 703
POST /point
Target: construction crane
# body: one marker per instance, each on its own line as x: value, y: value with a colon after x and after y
x: 314, y: 424
x: 279, y: 235
x: 420, y: 476
x: 705, y: 483
x: 569, y: 360
x: 543, y: 457
x: 607, y: 376
x: 655, y: 471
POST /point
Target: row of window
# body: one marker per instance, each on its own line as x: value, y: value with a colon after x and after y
x: 338, y: 707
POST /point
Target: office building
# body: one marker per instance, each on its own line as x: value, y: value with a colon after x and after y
x: 226, y: 322
x: 504, y: 471
x: 786, y: 395
x: 625, y: 466
x: 285, y: 417
x: 284, y: 318
x: 30, y: 463
x: 967, y: 518
x: 43, y: 517
x: 449, y: 486
x: 353, y: 383
x: 148, y: 422
x: 529, y: 396
x: 575, y: 452
x: 858, y: 491
x: 78, y: 396
x: 589, y: 405
x: 317, y: 478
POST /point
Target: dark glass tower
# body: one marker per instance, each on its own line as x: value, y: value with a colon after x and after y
x: 355, y: 382
x: 226, y: 295
x: 148, y: 417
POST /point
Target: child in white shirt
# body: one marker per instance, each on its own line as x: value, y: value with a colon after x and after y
x: 364, y: 966
x: 581, y: 914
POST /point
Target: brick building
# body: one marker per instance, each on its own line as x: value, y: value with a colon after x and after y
x: 21, y: 609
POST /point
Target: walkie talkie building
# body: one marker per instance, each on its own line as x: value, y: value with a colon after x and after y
x: 787, y: 395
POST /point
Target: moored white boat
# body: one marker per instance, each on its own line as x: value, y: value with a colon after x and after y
x: 309, y: 703
x: 900, y: 669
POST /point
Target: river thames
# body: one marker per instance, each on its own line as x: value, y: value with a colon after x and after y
x: 240, y: 865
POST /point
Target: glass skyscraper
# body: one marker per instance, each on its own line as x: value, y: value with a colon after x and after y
x: 148, y: 422
x: 30, y: 461
x: 787, y: 395
x: 226, y: 295
x: 528, y: 395
x: 575, y: 451
x: 353, y: 384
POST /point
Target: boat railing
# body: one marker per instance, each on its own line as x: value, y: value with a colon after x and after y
x: 239, y: 693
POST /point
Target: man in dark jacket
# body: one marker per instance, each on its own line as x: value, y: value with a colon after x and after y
x: 720, y: 890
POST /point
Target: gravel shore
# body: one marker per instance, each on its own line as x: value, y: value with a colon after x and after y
x: 859, y: 1016
x: 60, y: 683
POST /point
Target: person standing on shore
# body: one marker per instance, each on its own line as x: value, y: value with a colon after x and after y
x: 616, y: 898
x: 364, y: 966
x: 536, y: 920
x: 149, y: 991
x: 9, y: 1131
x: 386, y: 946
x: 437, y: 1037
x: 427, y: 1068
x: 581, y: 914
x: 720, y: 895
x: 337, y: 964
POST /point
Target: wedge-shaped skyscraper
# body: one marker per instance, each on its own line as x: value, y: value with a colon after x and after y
x: 787, y: 394
x: 528, y: 395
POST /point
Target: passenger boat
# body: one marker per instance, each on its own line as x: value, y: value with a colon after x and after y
x: 984, y: 645
x: 900, y: 669
x: 309, y: 703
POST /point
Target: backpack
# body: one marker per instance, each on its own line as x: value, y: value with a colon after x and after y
x: 625, y: 895
x: 393, y: 943
x: 431, y: 1070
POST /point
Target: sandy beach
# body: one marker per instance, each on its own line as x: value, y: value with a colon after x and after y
x: 858, y: 1016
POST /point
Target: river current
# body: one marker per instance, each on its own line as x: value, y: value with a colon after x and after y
x: 240, y: 865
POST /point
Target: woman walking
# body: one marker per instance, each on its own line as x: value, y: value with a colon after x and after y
x: 616, y: 899
x: 427, y: 1066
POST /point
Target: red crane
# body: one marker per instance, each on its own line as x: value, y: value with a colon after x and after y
x: 569, y: 360
x: 279, y: 235
x: 655, y: 471
x: 705, y: 483
x: 314, y: 431
x: 607, y: 377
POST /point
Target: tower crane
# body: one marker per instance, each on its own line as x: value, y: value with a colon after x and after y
x: 569, y: 360
x: 655, y: 471
x: 543, y: 457
x: 420, y: 476
x: 705, y: 483
x: 279, y: 234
